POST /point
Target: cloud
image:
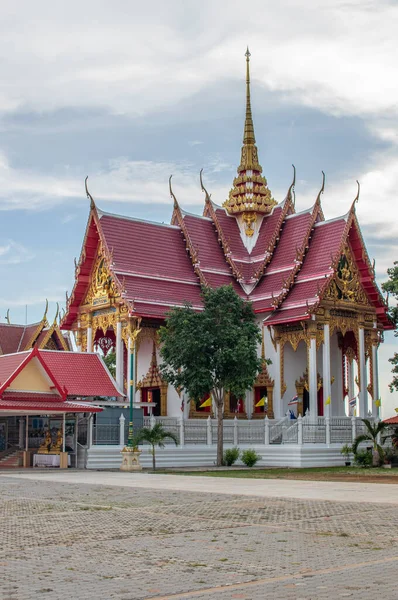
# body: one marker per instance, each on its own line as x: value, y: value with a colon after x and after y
x: 12, y: 253
x: 337, y: 56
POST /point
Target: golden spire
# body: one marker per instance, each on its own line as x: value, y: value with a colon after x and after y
x: 248, y: 136
x: 250, y: 194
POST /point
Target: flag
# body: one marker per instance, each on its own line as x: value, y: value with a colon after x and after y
x: 182, y: 405
x: 327, y: 400
x: 378, y: 403
x: 352, y: 402
x: 396, y: 410
x: 261, y: 402
x: 206, y: 403
x: 294, y: 400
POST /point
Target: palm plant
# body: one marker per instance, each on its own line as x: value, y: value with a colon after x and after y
x: 156, y: 437
x: 371, y: 435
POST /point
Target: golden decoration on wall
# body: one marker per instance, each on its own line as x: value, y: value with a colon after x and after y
x: 345, y: 286
x: 249, y: 218
x: 102, y: 289
x: 153, y: 379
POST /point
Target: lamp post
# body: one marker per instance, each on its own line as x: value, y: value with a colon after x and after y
x: 131, y: 454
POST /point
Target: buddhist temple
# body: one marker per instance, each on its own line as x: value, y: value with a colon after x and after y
x: 310, y: 280
x: 42, y: 335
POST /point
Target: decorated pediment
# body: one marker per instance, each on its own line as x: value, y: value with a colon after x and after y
x: 345, y: 286
x: 102, y: 289
x: 153, y: 377
x: 263, y: 379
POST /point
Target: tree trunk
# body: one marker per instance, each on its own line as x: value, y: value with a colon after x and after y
x: 153, y: 458
x: 220, y: 431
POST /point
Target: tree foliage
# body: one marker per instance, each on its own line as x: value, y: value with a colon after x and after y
x: 391, y: 287
x: 371, y: 435
x: 110, y: 361
x: 213, y: 350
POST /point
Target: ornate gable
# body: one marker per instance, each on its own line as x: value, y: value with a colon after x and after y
x: 345, y: 285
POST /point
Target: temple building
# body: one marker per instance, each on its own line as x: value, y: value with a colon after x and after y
x: 310, y: 280
x: 42, y: 335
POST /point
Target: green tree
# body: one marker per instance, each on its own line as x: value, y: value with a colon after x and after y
x: 391, y: 287
x: 110, y: 361
x: 371, y: 434
x: 213, y: 350
x: 156, y: 437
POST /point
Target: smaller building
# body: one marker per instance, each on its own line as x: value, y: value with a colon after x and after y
x: 45, y: 395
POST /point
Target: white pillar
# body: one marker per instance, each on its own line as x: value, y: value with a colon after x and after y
x: 182, y: 431
x: 130, y: 374
x: 89, y: 339
x: 27, y: 434
x: 375, y: 378
x: 90, y: 431
x: 313, y: 378
x: 209, y: 436
x: 327, y: 427
x: 300, y: 430
x: 353, y: 428
x: 351, y: 382
x: 121, y: 429
x: 119, y: 355
x: 327, y: 386
x: 235, y: 431
x: 363, y: 392
x: 278, y: 412
x: 63, y: 432
x: 266, y: 430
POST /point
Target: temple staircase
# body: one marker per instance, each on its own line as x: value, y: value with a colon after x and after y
x: 11, y: 459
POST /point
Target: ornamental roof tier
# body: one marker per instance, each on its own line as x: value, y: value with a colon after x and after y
x: 287, y: 263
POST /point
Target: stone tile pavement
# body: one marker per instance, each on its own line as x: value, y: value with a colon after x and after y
x: 63, y: 540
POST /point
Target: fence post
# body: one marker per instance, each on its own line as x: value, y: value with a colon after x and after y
x: 327, y: 424
x: 121, y: 429
x: 182, y: 431
x: 235, y: 431
x: 209, y: 440
x: 90, y: 431
x: 152, y: 422
x: 354, y: 428
x: 300, y: 430
x: 266, y: 430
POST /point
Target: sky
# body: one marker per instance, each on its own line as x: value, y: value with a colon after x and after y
x: 130, y: 92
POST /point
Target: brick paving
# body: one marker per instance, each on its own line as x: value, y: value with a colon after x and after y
x: 85, y: 541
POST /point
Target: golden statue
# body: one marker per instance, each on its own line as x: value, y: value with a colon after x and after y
x: 57, y: 447
x: 45, y: 446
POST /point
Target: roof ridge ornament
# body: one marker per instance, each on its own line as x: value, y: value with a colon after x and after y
x: 356, y: 199
x: 208, y: 196
x: 250, y: 194
x: 176, y: 205
x: 318, y: 199
x: 89, y: 196
x: 292, y: 188
x: 45, y: 311
x: 8, y: 316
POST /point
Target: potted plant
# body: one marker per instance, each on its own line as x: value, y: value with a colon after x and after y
x: 346, y: 451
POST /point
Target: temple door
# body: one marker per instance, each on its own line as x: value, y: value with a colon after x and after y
x: 260, y: 393
x: 306, y: 401
x: 151, y: 395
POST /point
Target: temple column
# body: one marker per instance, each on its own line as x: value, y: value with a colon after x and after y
x: 89, y: 335
x: 363, y: 380
x: 313, y: 375
x: 351, y: 381
x: 119, y: 354
x: 327, y: 385
x: 278, y: 382
x: 79, y: 338
x: 375, y: 372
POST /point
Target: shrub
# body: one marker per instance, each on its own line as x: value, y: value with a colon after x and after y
x: 230, y: 457
x: 250, y: 457
x: 363, y: 458
x: 346, y: 451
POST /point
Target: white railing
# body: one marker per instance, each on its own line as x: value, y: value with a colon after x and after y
x: 304, y: 430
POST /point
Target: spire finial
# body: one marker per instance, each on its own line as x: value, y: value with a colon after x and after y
x: 248, y: 136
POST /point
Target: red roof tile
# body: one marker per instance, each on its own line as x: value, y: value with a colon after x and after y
x: 391, y: 420
x: 287, y: 316
x: 81, y: 373
x: 146, y: 248
x: 9, y: 363
x: 204, y: 238
x: 14, y: 338
x: 162, y: 290
x: 43, y: 407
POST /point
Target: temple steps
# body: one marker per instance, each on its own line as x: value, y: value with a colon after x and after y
x: 13, y: 460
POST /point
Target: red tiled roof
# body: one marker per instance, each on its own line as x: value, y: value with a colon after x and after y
x: 14, y: 338
x: 43, y: 407
x: 31, y: 396
x: 287, y: 316
x: 204, y: 238
x: 9, y: 363
x: 162, y: 290
x: 146, y: 248
x: 391, y: 420
x: 231, y: 231
x: 81, y: 373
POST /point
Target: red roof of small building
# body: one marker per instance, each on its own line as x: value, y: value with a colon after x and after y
x: 41, y: 405
x: 391, y: 420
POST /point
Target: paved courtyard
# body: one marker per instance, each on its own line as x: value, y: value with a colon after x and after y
x: 99, y: 535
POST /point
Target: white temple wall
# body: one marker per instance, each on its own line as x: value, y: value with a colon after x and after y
x: 295, y: 365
